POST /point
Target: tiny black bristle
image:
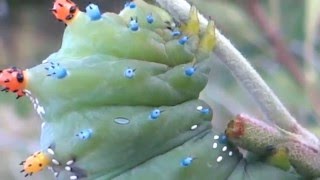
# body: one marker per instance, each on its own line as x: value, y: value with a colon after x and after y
x: 73, y: 9
x: 61, y: 5
x: 22, y: 162
x: 168, y: 22
x: 22, y: 171
x: 69, y: 17
x: 5, y: 89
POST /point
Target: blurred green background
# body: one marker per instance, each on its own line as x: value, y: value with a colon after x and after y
x: 280, y: 39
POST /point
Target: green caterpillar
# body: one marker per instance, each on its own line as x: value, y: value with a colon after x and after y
x: 119, y: 100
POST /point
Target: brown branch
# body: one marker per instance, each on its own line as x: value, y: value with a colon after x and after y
x: 274, y: 36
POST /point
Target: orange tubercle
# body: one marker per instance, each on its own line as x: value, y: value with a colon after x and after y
x: 65, y: 10
x: 35, y: 163
x: 13, y: 80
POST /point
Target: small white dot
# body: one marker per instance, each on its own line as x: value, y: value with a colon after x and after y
x: 56, y: 174
x: 230, y: 153
x: 67, y: 168
x: 70, y: 162
x: 199, y: 108
x: 194, y: 127
x: 27, y: 91
x: 54, y: 161
x: 40, y: 110
x: 50, y: 168
x: 43, y: 124
x: 219, y: 159
x: 216, y: 137
x: 50, y: 151
x: 37, y: 101
x: 215, y: 145
x: 44, y: 61
x: 224, y: 148
x: 73, y: 177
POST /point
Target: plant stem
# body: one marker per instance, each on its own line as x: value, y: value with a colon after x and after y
x: 245, y: 74
x: 275, y: 37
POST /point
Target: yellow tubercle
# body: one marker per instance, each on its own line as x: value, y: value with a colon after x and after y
x: 208, y: 40
x: 192, y: 27
x: 35, y: 163
x: 280, y: 159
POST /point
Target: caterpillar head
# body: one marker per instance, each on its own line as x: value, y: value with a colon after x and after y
x: 35, y: 163
x: 65, y: 10
x: 14, y: 80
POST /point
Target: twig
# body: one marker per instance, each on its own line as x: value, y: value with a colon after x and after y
x: 245, y: 74
x: 306, y: 80
x: 274, y: 36
x: 310, y: 27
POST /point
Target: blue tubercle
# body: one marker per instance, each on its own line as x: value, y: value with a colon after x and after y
x: 205, y: 111
x: 55, y: 70
x: 150, y: 19
x: 130, y: 5
x: 129, y: 73
x: 85, y: 134
x: 155, y: 114
x: 223, y: 139
x: 176, y: 32
x: 183, y: 40
x: 190, y: 71
x: 93, y: 12
x: 133, y: 24
x: 186, y: 161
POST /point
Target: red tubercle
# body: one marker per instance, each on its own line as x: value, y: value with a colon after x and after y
x: 235, y: 128
x: 65, y: 10
x: 13, y: 80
